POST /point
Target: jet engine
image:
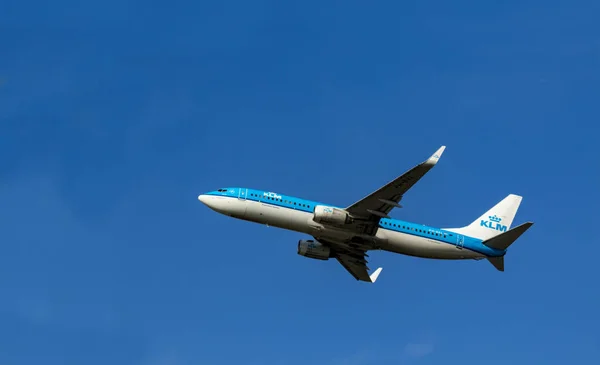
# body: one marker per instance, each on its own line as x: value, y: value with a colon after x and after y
x: 330, y: 215
x: 313, y: 250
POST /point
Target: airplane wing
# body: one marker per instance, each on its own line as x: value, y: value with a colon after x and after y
x: 379, y: 203
x: 354, y: 261
x: 357, y: 267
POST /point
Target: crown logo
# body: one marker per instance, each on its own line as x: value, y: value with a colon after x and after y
x: 493, y: 218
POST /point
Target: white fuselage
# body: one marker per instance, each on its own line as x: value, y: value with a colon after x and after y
x: 302, y: 221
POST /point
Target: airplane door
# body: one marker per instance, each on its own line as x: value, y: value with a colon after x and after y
x: 242, y: 193
x: 460, y: 241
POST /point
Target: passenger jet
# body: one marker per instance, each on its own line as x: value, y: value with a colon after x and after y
x: 347, y: 234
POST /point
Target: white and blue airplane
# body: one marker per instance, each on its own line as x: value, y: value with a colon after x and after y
x: 347, y: 234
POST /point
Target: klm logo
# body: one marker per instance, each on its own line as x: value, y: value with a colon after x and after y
x: 272, y: 195
x: 493, y: 223
x: 327, y: 210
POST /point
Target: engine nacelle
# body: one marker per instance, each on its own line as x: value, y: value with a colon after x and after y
x: 329, y: 215
x: 313, y: 250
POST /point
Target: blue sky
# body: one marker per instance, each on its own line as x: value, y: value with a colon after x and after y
x: 115, y: 115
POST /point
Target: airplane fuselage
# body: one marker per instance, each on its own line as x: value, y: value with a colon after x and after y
x: 392, y: 235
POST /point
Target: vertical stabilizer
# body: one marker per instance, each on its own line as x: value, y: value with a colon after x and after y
x: 495, y: 221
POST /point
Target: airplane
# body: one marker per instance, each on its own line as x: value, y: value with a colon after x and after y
x: 348, y: 233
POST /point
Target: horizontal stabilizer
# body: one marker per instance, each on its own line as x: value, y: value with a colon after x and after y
x: 503, y: 240
x: 498, y: 262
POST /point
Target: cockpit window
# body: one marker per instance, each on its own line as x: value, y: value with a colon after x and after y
x: 222, y: 190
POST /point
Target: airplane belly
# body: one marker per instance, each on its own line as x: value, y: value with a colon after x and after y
x: 412, y: 245
x: 274, y: 215
x: 253, y: 212
x: 298, y: 221
x: 280, y: 217
x: 237, y: 208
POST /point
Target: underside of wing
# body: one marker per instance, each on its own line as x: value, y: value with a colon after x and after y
x: 379, y: 203
x: 354, y: 261
x: 357, y: 268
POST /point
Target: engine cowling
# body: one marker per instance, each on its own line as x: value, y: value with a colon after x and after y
x: 330, y: 215
x: 313, y: 250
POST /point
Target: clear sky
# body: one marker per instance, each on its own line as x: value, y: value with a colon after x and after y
x: 115, y: 115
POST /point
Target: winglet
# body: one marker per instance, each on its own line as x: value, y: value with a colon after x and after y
x: 375, y: 274
x: 436, y: 156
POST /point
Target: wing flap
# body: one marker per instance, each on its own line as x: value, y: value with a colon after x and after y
x: 353, y: 259
x: 356, y: 269
x: 355, y: 263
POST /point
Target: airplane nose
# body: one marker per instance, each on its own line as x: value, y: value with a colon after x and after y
x: 203, y: 198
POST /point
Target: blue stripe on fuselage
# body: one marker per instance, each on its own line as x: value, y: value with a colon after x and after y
x: 396, y: 225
